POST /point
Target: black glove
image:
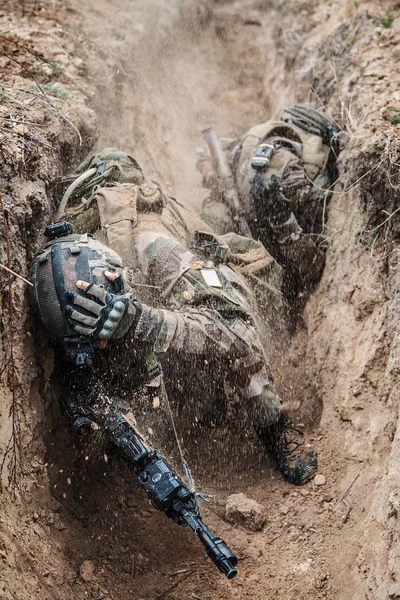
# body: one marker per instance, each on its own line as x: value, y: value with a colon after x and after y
x: 99, y: 313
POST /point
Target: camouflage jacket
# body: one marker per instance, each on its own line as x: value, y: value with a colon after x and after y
x: 194, y: 306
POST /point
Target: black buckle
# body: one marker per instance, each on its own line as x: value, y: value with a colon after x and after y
x: 263, y: 155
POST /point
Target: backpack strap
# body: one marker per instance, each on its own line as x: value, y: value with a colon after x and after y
x: 70, y: 190
x: 118, y: 215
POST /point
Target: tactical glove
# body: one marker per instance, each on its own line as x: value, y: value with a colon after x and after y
x: 98, y: 313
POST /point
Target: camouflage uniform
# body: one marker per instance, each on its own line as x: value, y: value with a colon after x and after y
x: 196, y: 313
x: 188, y: 322
x: 211, y: 322
x: 283, y: 172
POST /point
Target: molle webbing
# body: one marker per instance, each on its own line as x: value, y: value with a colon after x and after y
x: 118, y: 215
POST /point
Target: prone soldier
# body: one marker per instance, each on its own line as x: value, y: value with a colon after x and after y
x: 197, y: 325
x: 284, y: 172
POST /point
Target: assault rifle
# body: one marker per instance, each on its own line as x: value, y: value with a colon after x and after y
x: 166, y: 490
x: 226, y: 178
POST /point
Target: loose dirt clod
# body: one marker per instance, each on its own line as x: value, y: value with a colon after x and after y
x: 157, y: 73
x: 243, y: 511
x: 319, y: 479
x: 88, y: 571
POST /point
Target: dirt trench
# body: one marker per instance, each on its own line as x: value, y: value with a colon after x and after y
x: 155, y: 74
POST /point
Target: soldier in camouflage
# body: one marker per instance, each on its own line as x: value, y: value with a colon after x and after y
x: 284, y: 172
x: 199, y: 316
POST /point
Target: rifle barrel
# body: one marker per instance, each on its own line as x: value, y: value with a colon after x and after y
x: 217, y: 155
x: 216, y: 549
x: 224, y: 172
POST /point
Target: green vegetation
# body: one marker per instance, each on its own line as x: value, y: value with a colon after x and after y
x: 358, y: 224
x: 52, y: 90
x: 387, y: 21
x: 3, y: 95
x: 395, y: 120
x: 45, y: 71
x: 355, y: 221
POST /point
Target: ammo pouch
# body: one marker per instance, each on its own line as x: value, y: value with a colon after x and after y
x: 208, y: 245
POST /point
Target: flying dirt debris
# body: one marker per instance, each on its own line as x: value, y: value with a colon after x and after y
x: 211, y: 323
x: 318, y: 274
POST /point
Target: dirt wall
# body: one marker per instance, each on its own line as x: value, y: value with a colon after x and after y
x: 156, y: 74
x: 45, y: 125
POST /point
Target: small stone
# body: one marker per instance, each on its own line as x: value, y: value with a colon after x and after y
x: 319, y: 480
x: 60, y: 525
x: 244, y: 511
x: 47, y: 70
x: 156, y: 402
x: 186, y: 296
x: 131, y: 501
x: 55, y: 505
x: 328, y: 496
x: 396, y: 53
x: 37, y: 467
x: 305, y: 492
x: 284, y: 510
x: 87, y: 571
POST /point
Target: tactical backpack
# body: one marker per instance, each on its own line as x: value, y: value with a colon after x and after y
x: 96, y: 171
x: 288, y: 166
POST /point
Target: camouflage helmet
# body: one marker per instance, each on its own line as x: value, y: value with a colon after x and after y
x: 60, y: 263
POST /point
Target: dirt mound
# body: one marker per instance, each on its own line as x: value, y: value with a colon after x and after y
x: 156, y: 74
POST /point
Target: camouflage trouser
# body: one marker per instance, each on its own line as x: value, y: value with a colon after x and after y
x: 209, y: 317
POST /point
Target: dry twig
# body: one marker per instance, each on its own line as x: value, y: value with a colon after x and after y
x: 173, y: 586
x: 346, y: 491
x: 275, y: 537
x: 22, y: 122
x: 16, y: 274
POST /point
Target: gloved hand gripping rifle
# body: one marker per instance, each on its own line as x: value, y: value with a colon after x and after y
x: 225, y: 176
x: 166, y: 490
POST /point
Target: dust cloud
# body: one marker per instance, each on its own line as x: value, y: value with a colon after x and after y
x: 167, y: 72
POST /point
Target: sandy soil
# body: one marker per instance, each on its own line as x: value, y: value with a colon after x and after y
x: 155, y: 74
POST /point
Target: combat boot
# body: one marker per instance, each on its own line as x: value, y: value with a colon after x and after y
x: 281, y: 443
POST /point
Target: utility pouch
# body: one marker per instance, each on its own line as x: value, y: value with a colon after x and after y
x: 208, y: 246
